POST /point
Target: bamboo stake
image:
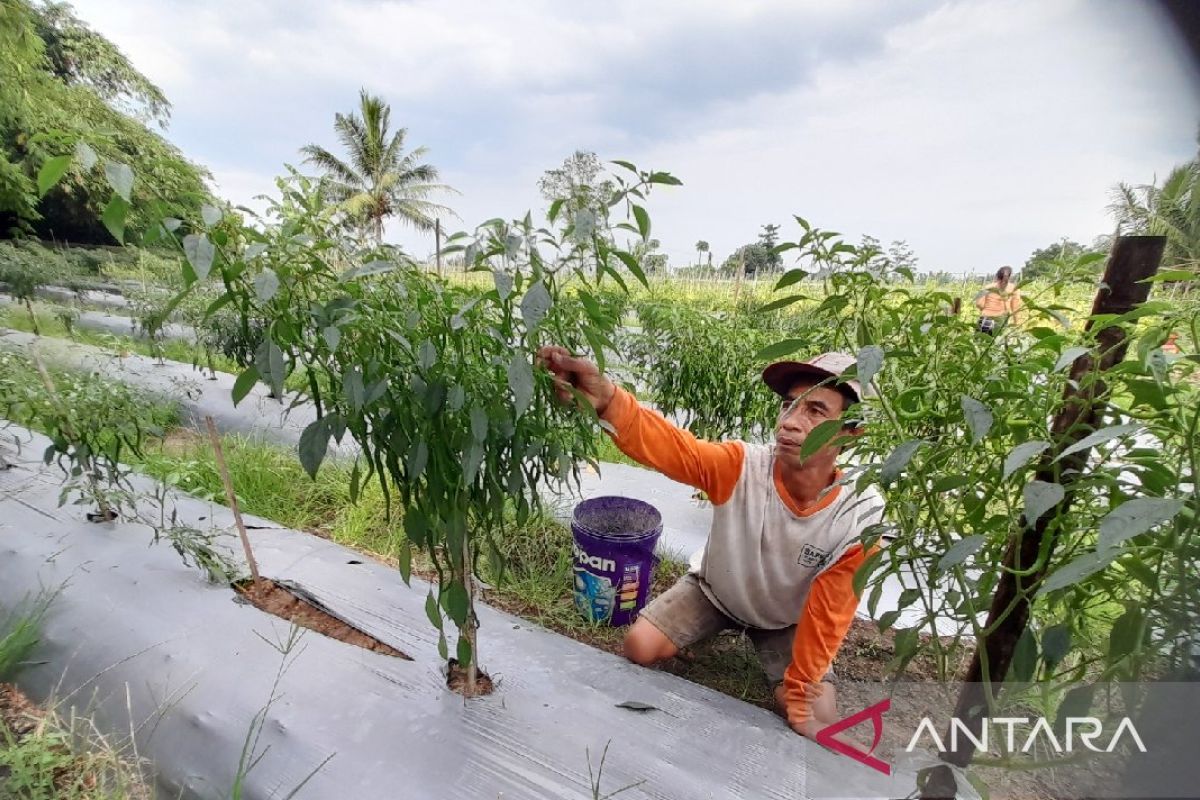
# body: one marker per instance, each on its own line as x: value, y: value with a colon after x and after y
x: 230, y: 496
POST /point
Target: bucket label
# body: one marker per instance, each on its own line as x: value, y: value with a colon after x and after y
x: 595, y: 562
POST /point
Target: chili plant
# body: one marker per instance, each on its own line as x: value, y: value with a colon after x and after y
x: 435, y: 384
x: 962, y: 440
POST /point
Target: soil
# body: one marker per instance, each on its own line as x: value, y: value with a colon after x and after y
x: 456, y: 681
x: 269, y: 596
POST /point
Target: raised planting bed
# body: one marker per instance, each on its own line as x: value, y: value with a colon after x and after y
x: 133, y: 630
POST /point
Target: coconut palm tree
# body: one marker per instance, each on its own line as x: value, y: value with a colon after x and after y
x: 701, y: 249
x: 1171, y: 210
x: 378, y: 179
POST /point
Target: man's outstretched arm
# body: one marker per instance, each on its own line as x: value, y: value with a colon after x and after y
x: 646, y: 436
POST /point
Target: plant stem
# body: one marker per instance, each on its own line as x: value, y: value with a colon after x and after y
x: 230, y: 496
x: 32, y: 317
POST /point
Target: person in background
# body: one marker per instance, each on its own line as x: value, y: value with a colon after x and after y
x: 999, y: 302
x: 784, y: 545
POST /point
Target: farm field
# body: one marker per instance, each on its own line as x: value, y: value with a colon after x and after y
x: 339, y: 490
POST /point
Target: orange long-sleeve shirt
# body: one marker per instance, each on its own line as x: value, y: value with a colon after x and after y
x: 648, y: 438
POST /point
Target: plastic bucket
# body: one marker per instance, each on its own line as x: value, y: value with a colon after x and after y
x: 614, y: 557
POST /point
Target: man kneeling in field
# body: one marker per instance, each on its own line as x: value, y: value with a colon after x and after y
x: 784, y: 543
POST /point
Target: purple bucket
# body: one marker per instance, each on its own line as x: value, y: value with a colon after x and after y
x: 614, y: 557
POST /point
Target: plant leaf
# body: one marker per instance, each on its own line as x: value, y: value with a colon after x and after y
x: 894, y: 465
x: 1076, y: 571
x: 534, y: 305
x: 353, y: 388
x: 643, y: 221
x: 504, y: 283
x: 266, y: 285
x: 1020, y: 455
x: 113, y: 217
x: 432, y: 611
x: 51, y: 173
x: 314, y: 443
x: 200, y: 253
x: 244, y: 383
x: 1099, y: 437
x: 1068, y: 357
x: 1056, y: 643
x: 960, y: 551
x: 455, y: 602
x: 85, y: 155
x: 479, y: 424
x: 520, y: 380
x: 979, y: 418
x: 870, y: 361
x: 1040, y: 497
x: 333, y: 336
x: 120, y: 178
x: 210, y: 214
x: 1135, y: 517
x: 781, y: 349
x: 1024, y: 660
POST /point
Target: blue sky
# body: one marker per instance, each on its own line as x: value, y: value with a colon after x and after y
x: 977, y: 131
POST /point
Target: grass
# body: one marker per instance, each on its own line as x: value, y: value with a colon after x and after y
x: 46, y: 755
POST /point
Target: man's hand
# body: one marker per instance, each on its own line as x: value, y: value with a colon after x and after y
x: 578, y: 373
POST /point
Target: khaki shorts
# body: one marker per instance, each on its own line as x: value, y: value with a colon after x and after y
x: 686, y: 616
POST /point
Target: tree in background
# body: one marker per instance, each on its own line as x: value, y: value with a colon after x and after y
x: 754, y: 259
x: 702, y: 247
x: 62, y: 85
x: 769, y: 238
x: 1171, y: 210
x: 379, y: 180
x: 649, y: 258
x: 575, y: 182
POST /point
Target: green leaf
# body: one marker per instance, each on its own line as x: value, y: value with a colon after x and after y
x: 1135, y: 517
x: 1076, y: 571
x: 626, y: 165
x: 454, y: 600
x: 244, y: 383
x: 888, y: 619
x: 443, y: 647
x: 364, y: 270
x: 1069, y: 356
x: 479, y: 424
x: 314, y: 444
x: 1171, y: 275
x: 266, y: 285
x: 820, y: 436
x: 1125, y: 635
x: 432, y: 611
x: 463, y: 651
x: 375, y: 391
x: 950, y: 482
x: 632, y: 264
x: 332, y: 335
x: 504, y: 283
x: 552, y: 215
x: 418, y: 459
x: 404, y: 559
x: 862, y: 575
x: 1020, y: 455
x: 960, y: 551
x: 979, y: 418
x: 51, y: 173
x: 781, y: 303
x: 427, y: 355
x: 113, y: 217
x: 472, y: 458
x: 534, y: 305
x: 254, y: 251
x: 790, y: 277
x: 664, y: 178
x: 416, y: 528
x: 1099, y: 437
x: 200, y: 253
x: 277, y: 368
x: 353, y: 389
x: 781, y: 349
x: 1025, y: 656
x: 643, y: 221
x: 895, y: 464
x: 1040, y: 497
x: 1077, y: 702
x: 120, y: 178
x: 1056, y: 643
x: 210, y: 214
x: 85, y: 155
x: 520, y: 380
x: 870, y: 361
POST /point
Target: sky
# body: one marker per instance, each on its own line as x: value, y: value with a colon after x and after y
x: 975, y: 131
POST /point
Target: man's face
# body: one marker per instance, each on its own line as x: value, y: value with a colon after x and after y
x: 805, y: 407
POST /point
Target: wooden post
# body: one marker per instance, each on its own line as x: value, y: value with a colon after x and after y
x: 227, y: 482
x: 437, y: 239
x: 1124, y: 288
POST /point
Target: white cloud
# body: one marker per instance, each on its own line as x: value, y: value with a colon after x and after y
x: 977, y: 131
